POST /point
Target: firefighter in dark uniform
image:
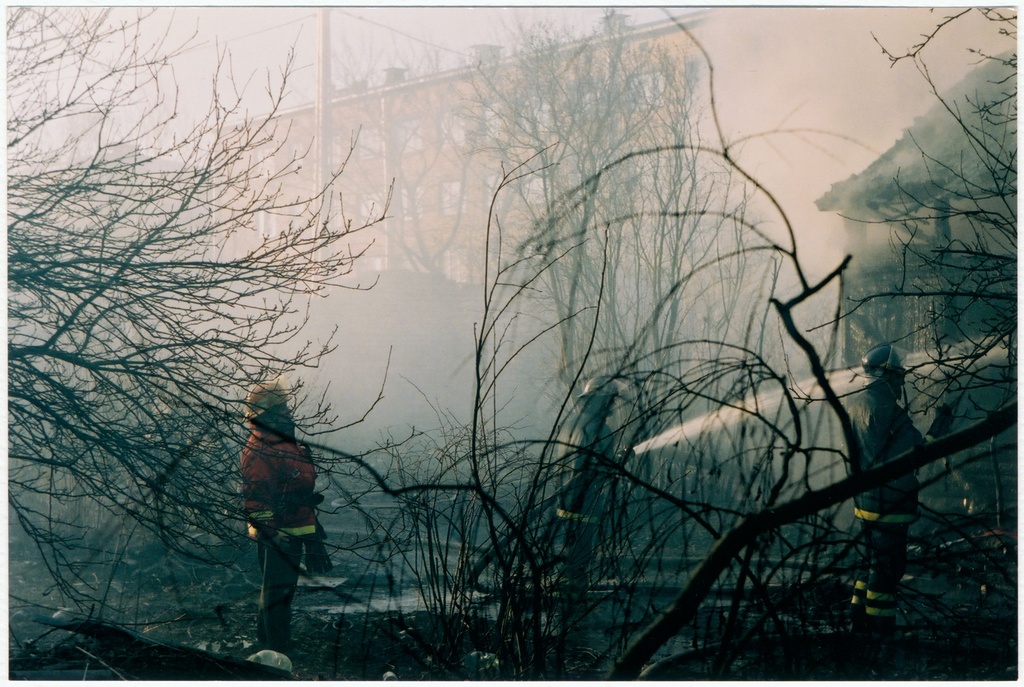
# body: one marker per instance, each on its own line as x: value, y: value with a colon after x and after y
x: 884, y: 430
x: 589, y: 444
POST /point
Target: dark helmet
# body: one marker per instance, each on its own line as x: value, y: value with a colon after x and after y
x: 883, y: 360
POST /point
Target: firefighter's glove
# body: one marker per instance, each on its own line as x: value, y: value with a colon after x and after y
x: 268, y: 534
x: 317, y: 559
x: 256, y: 528
x: 942, y: 422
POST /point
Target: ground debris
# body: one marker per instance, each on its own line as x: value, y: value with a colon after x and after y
x: 100, y: 650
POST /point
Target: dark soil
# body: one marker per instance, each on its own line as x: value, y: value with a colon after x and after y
x: 192, y: 621
x: 366, y: 645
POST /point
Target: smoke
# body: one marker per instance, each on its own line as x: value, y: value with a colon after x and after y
x: 805, y: 94
x: 814, y: 88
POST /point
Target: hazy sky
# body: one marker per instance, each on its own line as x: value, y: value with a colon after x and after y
x: 775, y: 68
x: 823, y: 69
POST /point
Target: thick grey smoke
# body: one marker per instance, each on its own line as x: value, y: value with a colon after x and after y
x: 805, y: 94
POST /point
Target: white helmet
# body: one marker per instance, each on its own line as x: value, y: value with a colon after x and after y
x: 275, y: 659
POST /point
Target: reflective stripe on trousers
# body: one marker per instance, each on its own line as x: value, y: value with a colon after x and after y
x: 884, y: 547
x: 878, y: 604
x: 891, y: 518
x: 578, y: 517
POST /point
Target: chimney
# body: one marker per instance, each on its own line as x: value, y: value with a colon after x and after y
x: 614, y: 22
x: 484, y: 53
x: 393, y: 75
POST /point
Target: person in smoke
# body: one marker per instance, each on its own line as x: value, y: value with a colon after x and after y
x: 884, y: 430
x: 278, y: 480
x: 592, y: 447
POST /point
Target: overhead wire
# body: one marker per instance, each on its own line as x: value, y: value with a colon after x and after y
x: 276, y: 27
x: 400, y: 33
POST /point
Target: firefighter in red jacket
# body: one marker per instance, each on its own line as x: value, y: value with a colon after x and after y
x: 884, y: 430
x: 278, y: 479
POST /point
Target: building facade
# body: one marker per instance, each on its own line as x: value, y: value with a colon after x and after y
x: 421, y: 155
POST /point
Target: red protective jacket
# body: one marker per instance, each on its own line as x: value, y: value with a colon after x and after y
x: 278, y: 480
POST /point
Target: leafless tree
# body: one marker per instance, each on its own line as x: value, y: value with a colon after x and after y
x: 746, y: 504
x: 727, y: 535
x: 620, y: 192
x: 952, y: 214
x: 155, y: 271
x: 966, y: 277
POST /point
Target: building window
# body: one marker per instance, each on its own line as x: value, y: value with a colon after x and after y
x: 412, y: 202
x: 539, y: 110
x: 487, y: 123
x: 453, y: 129
x: 695, y: 69
x: 369, y: 142
x: 651, y: 86
x: 371, y: 208
x: 489, y: 185
x: 451, y: 197
x: 408, y: 135
x: 532, y: 188
x: 266, y: 225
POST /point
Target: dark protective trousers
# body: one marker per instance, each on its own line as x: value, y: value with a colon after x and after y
x: 279, y: 565
x: 884, y: 547
x: 584, y: 506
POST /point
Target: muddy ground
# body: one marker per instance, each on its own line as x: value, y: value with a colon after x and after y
x: 361, y: 623
x: 351, y: 626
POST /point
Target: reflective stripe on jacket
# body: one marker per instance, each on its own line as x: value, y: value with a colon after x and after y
x: 278, y: 480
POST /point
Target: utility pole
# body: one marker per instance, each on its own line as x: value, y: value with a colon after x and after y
x: 324, y: 91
